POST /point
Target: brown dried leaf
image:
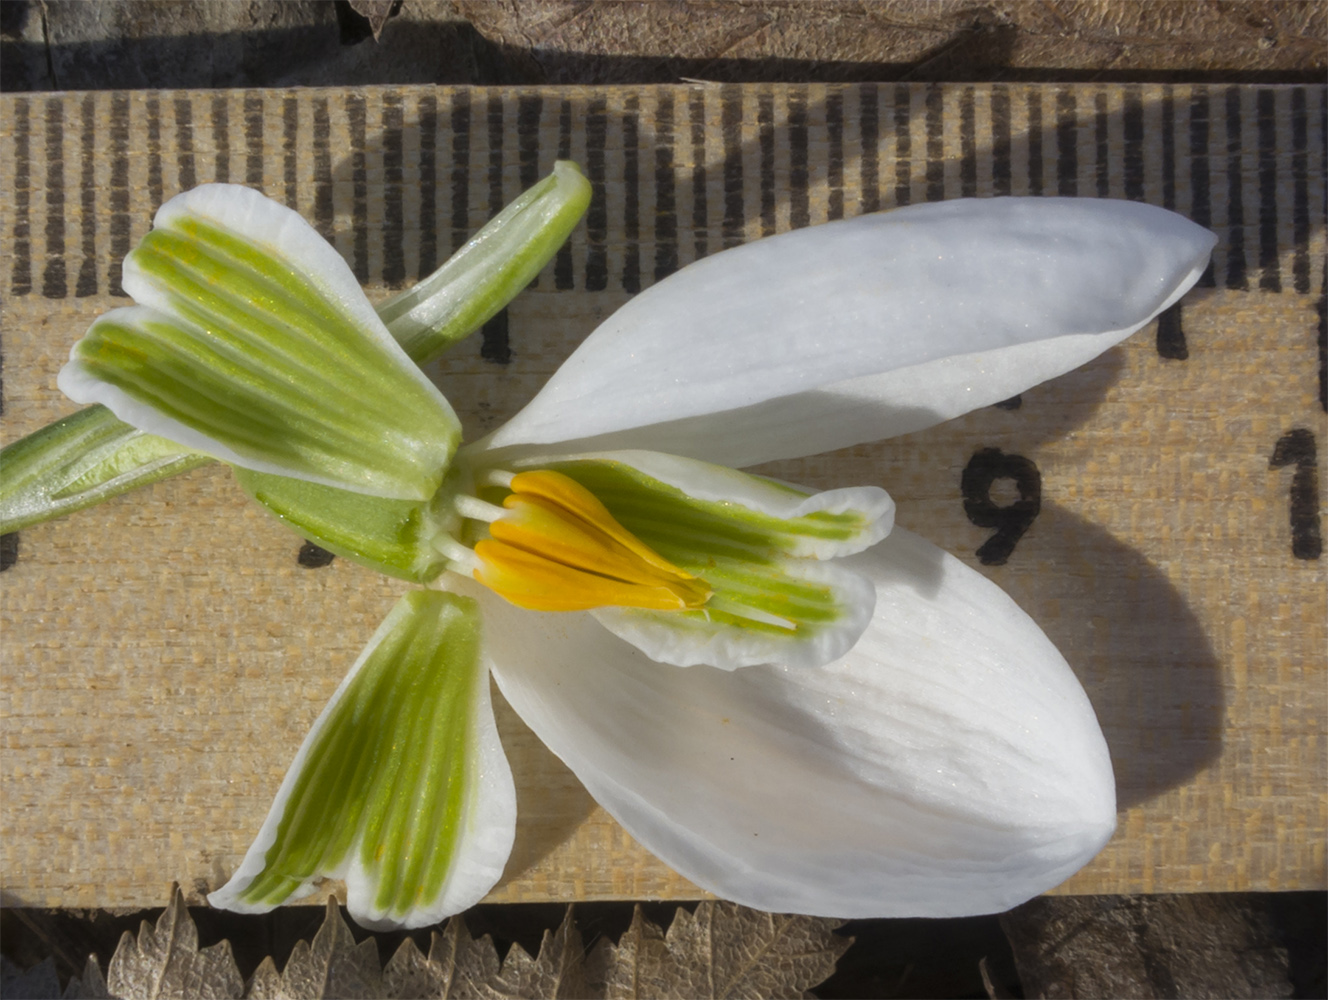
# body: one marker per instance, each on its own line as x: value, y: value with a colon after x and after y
x: 472, y: 961
x: 36, y: 983
x: 458, y: 966
x: 333, y: 967
x: 723, y: 950
x: 560, y: 970
x: 376, y: 11
x: 408, y: 975
x: 165, y: 961
x: 91, y: 986
x: 635, y: 967
x: 265, y: 983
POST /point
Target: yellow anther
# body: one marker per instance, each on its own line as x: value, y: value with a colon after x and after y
x: 557, y: 548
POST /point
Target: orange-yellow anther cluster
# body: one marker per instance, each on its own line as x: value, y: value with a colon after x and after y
x: 557, y: 548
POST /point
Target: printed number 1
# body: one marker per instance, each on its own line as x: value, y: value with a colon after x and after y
x: 1296, y: 447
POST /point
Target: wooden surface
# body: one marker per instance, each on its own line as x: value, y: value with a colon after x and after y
x: 164, y: 654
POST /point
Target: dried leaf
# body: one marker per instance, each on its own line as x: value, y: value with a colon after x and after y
x: 265, y: 984
x: 408, y: 975
x: 376, y: 11
x: 165, y: 961
x: 458, y: 966
x: 560, y: 970
x: 38, y: 983
x: 334, y: 966
x: 92, y: 985
x: 723, y: 950
x: 636, y: 966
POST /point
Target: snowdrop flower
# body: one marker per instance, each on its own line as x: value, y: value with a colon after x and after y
x: 788, y: 702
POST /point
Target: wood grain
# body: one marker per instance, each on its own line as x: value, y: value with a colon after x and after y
x: 164, y: 654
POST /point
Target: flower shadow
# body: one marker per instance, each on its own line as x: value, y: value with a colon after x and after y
x: 551, y: 804
x: 1130, y: 637
x: 1140, y: 651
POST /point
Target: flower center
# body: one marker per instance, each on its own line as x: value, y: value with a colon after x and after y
x: 555, y: 547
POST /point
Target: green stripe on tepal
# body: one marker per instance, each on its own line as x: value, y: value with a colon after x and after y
x: 253, y: 342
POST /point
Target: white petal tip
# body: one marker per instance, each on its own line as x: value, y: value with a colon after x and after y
x: 865, y: 328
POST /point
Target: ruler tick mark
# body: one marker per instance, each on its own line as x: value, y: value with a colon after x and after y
x: 1000, y: 141
x: 428, y: 184
x: 324, y: 216
x: 834, y: 129
x: 253, y: 139
x: 935, y: 123
x: 631, y: 140
x: 53, y: 276
x: 1235, y: 277
x: 799, y: 203
x: 20, y: 282
x: 730, y: 119
x: 221, y: 139
x: 869, y: 178
x: 765, y: 127
x: 666, y: 198
x: 121, y: 225
x: 359, y: 188
x: 290, y: 134
x: 394, y: 178
x: 903, y: 146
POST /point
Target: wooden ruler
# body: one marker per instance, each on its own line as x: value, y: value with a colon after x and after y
x: 1158, y: 512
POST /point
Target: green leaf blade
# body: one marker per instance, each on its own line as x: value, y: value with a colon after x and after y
x: 79, y: 461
